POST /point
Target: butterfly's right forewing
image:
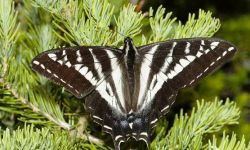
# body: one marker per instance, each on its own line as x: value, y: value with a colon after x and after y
x: 167, y: 67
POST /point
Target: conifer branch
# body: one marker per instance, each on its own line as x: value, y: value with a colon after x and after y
x: 208, y: 117
x: 8, y: 33
x: 161, y: 25
x: 32, y: 138
x: 204, y: 26
x: 128, y: 23
x: 88, y: 22
x: 227, y: 143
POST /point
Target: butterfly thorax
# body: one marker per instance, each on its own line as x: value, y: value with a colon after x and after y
x: 130, y: 58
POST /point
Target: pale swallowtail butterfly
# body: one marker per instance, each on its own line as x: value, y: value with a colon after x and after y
x: 127, y: 90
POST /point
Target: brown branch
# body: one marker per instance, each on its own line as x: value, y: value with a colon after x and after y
x: 83, y: 121
x: 139, y: 4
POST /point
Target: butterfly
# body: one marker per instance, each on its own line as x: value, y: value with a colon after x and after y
x: 127, y: 90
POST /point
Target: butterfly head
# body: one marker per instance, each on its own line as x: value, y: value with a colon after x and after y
x: 129, y: 46
x: 127, y: 40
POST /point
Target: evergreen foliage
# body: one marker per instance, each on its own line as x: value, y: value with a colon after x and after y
x: 58, y: 120
x: 30, y: 138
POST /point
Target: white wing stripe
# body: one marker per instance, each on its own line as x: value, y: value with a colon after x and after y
x: 156, y: 88
x: 202, y: 42
x: 79, y: 57
x: 230, y: 49
x: 172, y: 49
x: 96, y: 117
x: 213, y: 45
x: 107, y: 127
x: 201, y: 48
x: 178, y: 68
x: 64, y: 52
x: 104, y: 89
x: 145, y: 70
x: 199, y: 54
x: 206, y: 51
x: 78, y: 67
x: 166, y: 64
x: 52, y: 56
x: 97, y: 64
x: 117, y: 77
x: 184, y: 62
x: 154, y: 121
x: 60, y: 62
x: 187, y: 49
x: 190, y: 58
x: 36, y: 62
x: 68, y: 64
x: 224, y: 53
x: 83, y: 70
x: 103, y: 92
x: 172, y: 74
x: 165, y: 108
x: 88, y: 75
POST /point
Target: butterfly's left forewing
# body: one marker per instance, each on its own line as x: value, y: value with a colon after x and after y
x: 79, y: 69
x: 94, y: 73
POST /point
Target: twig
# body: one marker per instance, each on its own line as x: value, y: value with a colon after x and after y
x: 62, y: 124
x: 93, y: 139
x: 139, y: 5
x: 79, y: 130
x: 36, y: 109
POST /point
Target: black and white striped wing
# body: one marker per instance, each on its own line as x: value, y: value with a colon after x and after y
x: 169, y: 66
x: 79, y: 69
x: 108, y: 102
